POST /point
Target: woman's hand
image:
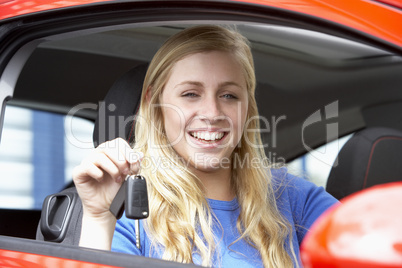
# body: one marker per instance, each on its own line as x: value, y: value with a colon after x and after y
x: 97, y: 179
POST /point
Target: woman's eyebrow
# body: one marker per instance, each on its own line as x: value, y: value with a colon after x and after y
x: 200, y: 84
x: 192, y: 83
x: 229, y: 83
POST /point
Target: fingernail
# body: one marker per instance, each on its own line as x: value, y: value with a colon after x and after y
x: 118, y: 180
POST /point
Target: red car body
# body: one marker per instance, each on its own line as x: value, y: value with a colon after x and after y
x: 375, y: 18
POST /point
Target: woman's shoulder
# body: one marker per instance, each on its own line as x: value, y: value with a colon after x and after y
x: 283, y: 180
x: 300, y: 199
x: 301, y: 194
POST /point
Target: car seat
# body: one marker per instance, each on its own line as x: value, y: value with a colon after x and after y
x: 371, y: 157
x: 61, y: 216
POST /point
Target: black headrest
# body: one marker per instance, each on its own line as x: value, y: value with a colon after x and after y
x: 116, y: 113
x: 372, y: 156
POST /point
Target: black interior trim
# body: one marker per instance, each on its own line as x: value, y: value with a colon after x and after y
x: 19, y: 222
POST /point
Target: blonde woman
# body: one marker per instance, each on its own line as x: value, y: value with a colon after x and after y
x: 213, y: 201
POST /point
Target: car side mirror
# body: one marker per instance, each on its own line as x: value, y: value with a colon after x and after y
x: 365, y: 230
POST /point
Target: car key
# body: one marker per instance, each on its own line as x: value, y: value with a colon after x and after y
x: 117, y: 205
x: 131, y: 197
x: 136, y: 201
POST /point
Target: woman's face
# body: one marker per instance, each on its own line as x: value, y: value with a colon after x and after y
x: 204, y: 106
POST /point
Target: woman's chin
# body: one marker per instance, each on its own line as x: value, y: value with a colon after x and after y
x: 211, y: 165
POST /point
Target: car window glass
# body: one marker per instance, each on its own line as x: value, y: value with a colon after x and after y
x: 38, y: 151
x: 316, y: 165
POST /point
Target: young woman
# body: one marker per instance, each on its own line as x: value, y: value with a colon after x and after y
x: 213, y: 200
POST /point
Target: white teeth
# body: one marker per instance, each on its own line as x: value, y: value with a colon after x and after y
x: 213, y: 136
x: 208, y: 136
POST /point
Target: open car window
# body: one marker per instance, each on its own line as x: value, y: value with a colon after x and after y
x: 316, y: 165
x: 299, y: 72
x: 294, y: 67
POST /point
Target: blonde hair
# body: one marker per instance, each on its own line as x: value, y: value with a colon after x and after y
x: 180, y: 219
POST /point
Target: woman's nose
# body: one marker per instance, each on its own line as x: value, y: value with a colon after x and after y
x: 211, y: 109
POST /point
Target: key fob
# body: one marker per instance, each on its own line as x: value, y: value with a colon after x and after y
x: 117, y: 205
x: 136, y: 201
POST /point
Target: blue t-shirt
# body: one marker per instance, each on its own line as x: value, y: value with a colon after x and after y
x: 300, y: 202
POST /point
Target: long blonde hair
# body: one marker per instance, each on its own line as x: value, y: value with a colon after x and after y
x: 180, y: 219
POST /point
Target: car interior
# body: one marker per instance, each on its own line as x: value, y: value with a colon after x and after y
x: 370, y: 157
x: 314, y: 86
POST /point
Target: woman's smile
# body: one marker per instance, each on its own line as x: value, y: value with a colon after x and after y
x: 208, y: 139
x: 207, y: 136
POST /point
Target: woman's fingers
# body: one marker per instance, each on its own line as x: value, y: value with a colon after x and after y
x: 129, y: 154
x: 104, y: 161
x: 86, y: 171
x: 131, y: 157
x: 135, y: 162
x: 94, y: 171
x: 116, y: 158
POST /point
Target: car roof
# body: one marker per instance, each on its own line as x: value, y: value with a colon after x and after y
x: 377, y: 18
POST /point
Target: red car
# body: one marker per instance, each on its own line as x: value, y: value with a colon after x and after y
x: 327, y: 71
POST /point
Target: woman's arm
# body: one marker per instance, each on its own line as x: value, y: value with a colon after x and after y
x: 98, y: 232
x: 97, y: 179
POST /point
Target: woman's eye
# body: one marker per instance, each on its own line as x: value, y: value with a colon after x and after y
x: 190, y: 94
x: 229, y: 96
